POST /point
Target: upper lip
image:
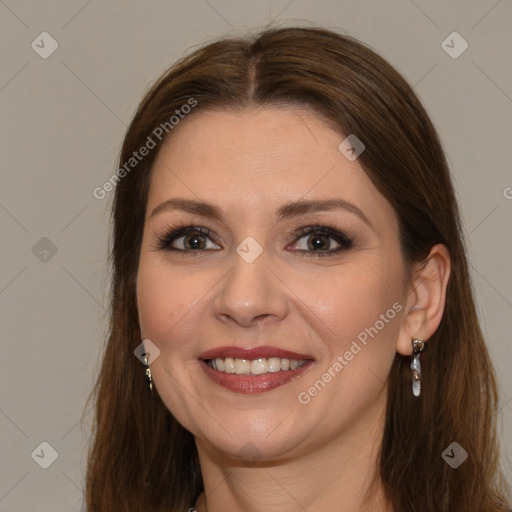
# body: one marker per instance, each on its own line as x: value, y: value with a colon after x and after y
x: 264, y: 351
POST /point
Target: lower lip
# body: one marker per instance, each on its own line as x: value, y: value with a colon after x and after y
x: 250, y: 384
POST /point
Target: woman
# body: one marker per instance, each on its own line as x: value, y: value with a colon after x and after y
x: 287, y: 246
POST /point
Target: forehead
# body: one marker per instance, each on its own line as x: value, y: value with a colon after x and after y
x: 256, y: 135
x: 260, y: 157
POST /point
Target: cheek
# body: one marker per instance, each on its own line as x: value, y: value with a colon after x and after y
x: 161, y: 300
x: 171, y: 306
x: 363, y: 298
x: 363, y: 314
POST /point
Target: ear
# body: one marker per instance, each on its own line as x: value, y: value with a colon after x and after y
x: 425, y: 300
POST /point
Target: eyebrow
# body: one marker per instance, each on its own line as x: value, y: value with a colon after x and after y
x: 285, y: 211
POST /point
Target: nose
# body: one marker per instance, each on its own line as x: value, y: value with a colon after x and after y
x: 251, y: 293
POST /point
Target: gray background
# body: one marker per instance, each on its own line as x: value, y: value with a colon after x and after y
x: 63, y: 122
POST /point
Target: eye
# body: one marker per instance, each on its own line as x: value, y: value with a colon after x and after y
x: 317, y: 241
x: 187, y: 239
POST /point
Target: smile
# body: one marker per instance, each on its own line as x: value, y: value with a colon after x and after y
x: 254, y: 370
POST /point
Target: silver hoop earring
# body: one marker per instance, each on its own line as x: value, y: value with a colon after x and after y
x: 417, y: 347
x: 149, y: 378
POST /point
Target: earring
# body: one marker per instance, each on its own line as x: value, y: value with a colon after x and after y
x: 149, y: 378
x: 417, y: 347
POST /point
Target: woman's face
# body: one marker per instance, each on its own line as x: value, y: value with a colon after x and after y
x: 249, y: 275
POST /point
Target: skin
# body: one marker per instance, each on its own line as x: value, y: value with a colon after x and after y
x: 268, y: 451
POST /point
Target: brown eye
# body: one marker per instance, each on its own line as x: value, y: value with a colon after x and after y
x: 189, y: 238
x: 321, y: 241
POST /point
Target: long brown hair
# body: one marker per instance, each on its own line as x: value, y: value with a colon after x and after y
x: 141, y: 458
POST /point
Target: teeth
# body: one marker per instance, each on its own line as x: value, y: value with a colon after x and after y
x: 274, y: 364
x: 242, y: 366
x: 229, y: 365
x: 259, y: 366
x: 256, y: 366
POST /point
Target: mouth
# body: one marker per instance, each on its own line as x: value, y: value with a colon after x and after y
x: 254, y: 370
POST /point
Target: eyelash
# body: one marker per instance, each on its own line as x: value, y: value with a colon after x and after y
x: 174, y: 232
